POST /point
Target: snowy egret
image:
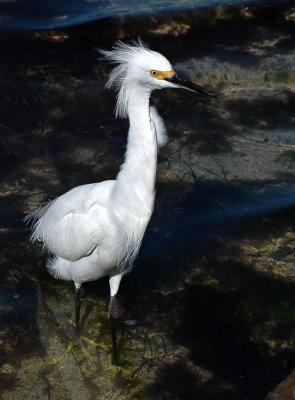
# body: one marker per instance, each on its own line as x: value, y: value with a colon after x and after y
x: 96, y: 229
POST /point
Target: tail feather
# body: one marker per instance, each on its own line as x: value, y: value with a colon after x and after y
x: 59, y: 268
x: 34, y: 216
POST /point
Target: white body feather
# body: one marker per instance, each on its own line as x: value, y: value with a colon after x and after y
x: 97, y: 229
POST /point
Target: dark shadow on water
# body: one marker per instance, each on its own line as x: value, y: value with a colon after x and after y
x: 213, y: 327
x: 226, y: 314
x: 264, y: 113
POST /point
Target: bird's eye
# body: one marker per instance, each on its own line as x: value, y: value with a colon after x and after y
x: 154, y: 73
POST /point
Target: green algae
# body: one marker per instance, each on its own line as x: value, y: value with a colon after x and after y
x: 286, y: 77
x: 287, y: 158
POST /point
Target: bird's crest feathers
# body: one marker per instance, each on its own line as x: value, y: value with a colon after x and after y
x: 122, y: 54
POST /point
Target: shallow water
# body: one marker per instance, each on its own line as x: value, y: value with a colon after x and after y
x: 57, y: 14
x: 213, y: 287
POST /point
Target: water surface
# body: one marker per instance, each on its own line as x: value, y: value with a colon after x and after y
x: 213, y: 287
x: 34, y: 14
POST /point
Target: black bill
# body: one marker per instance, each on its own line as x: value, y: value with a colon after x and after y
x: 186, y: 84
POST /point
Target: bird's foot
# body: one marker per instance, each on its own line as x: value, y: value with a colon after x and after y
x: 93, y: 343
x: 71, y: 348
x: 75, y: 342
x: 62, y: 356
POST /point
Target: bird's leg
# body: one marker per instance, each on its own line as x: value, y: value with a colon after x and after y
x: 113, y: 318
x: 77, y: 308
x: 73, y: 337
x: 114, y: 314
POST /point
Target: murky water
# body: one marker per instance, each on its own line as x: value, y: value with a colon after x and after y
x: 213, y: 287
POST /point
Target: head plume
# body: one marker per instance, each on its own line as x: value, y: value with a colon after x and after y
x: 122, y: 54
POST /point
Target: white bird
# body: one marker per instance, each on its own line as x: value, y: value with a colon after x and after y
x: 96, y: 229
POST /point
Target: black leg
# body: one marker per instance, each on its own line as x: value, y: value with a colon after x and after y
x: 77, y: 309
x: 113, y: 317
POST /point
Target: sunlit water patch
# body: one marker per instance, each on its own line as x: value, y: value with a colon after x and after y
x: 34, y: 14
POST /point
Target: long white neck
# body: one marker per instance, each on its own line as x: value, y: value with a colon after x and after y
x: 135, y: 183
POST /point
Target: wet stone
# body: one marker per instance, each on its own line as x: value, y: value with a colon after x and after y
x: 285, y: 390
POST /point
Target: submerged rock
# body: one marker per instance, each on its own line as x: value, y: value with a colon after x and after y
x: 285, y: 390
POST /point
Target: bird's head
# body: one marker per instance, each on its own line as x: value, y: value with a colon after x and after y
x: 141, y: 68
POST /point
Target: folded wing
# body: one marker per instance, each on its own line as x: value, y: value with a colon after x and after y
x: 71, y: 226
